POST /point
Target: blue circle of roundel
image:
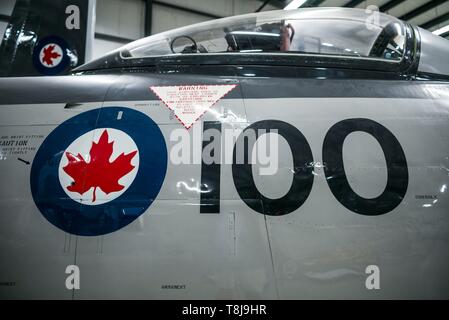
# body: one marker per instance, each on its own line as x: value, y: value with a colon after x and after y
x: 61, y: 66
x: 87, y: 220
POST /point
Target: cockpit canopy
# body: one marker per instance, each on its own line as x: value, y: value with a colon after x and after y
x: 320, y: 37
x: 330, y: 31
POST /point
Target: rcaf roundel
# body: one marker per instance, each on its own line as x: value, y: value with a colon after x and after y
x: 51, y: 56
x: 98, y: 171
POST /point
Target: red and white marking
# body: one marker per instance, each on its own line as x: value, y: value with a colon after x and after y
x: 191, y: 102
x: 51, y: 55
x: 122, y: 143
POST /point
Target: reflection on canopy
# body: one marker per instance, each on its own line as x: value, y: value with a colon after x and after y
x: 331, y: 31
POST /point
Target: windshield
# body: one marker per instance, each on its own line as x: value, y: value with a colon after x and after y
x: 330, y: 31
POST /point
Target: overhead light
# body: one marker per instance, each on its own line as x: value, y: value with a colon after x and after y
x: 253, y: 33
x: 295, y: 4
x: 441, y: 31
x: 250, y: 51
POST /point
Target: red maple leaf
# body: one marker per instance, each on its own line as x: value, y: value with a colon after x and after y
x: 99, y: 172
x: 49, y: 55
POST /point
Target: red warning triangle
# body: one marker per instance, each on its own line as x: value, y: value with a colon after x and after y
x: 190, y: 102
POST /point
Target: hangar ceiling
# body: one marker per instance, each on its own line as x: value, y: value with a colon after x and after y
x: 428, y: 14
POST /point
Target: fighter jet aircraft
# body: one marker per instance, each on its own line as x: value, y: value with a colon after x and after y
x: 279, y: 155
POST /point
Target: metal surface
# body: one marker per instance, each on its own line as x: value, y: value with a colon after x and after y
x: 261, y: 240
x: 433, y: 54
